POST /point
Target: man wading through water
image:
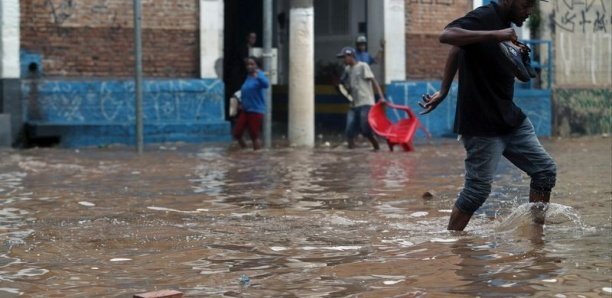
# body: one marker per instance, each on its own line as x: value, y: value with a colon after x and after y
x: 487, y: 121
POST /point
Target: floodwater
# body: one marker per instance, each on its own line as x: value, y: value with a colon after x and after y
x: 213, y: 221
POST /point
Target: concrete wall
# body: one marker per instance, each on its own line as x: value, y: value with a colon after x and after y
x: 95, y: 37
x: 582, y: 36
x: 581, y: 32
x: 94, y: 112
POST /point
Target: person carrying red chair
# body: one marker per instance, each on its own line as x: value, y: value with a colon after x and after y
x: 358, y: 80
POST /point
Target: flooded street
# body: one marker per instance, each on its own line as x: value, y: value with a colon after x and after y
x: 329, y: 222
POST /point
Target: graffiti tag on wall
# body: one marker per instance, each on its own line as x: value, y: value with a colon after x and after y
x: 582, y: 16
x: 60, y: 10
x: 583, y: 41
x: 113, y: 101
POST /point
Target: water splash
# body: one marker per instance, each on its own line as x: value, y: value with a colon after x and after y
x: 558, y: 215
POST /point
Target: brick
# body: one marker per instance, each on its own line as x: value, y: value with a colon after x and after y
x: 81, y: 29
x: 425, y: 55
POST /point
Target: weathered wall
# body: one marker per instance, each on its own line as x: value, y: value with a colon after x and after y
x: 582, y: 36
x: 581, y: 32
x: 582, y: 111
x: 96, y: 112
x: 425, y: 20
x: 95, y: 37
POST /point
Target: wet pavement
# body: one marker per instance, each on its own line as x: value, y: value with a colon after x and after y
x: 211, y: 221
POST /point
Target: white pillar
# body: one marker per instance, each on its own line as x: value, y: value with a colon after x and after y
x: 211, y: 38
x: 301, y: 73
x: 395, y: 38
x: 9, y: 39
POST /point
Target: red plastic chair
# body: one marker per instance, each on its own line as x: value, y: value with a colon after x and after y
x: 400, y: 133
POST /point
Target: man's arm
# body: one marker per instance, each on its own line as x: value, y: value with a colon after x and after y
x: 381, y: 95
x: 430, y: 102
x: 262, y: 79
x: 460, y: 37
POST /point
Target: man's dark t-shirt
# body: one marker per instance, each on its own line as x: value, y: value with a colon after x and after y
x: 484, y: 104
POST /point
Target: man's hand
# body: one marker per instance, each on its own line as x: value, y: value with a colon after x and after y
x: 506, y: 34
x: 430, y: 102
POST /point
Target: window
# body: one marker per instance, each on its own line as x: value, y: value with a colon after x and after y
x: 331, y: 17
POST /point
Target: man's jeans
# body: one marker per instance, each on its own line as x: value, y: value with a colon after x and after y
x: 521, y: 147
x: 357, y: 122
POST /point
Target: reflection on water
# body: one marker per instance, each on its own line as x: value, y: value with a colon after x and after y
x: 289, y: 222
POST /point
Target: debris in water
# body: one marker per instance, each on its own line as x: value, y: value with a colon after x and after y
x: 428, y: 195
x: 419, y: 214
x: 392, y: 282
x: 440, y: 240
x: 245, y: 280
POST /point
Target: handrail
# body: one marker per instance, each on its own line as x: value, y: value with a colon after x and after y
x: 538, y: 63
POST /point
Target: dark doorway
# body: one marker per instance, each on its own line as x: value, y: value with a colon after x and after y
x: 241, y: 18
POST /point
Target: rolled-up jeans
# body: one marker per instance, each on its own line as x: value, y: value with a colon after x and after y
x: 521, y: 147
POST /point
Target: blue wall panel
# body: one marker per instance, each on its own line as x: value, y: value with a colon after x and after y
x: 173, y: 110
x: 536, y: 104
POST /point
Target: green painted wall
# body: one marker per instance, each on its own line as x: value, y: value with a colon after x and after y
x: 582, y: 111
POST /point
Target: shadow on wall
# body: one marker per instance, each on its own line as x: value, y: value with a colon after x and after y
x: 582, y: 111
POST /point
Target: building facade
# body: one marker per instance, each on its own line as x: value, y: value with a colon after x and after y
x: 67, y: 65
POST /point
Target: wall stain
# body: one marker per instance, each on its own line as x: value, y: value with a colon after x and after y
x: 582, y: 111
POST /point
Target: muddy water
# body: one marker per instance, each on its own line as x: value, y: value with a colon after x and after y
x: 328, y: 222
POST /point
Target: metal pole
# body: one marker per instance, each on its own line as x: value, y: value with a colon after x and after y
x: 138, y: 74
x: 267, y: 54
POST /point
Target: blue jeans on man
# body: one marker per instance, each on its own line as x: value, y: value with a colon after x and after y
x: 356, y: 123
x: 521, y: 147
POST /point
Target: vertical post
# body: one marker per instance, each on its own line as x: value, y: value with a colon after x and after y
x: 301, y: 73
x: 395, y: 37
x: 267, y: 62
x: 10, y: 87
x: 138, y: 75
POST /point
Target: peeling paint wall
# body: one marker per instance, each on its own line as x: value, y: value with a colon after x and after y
x: 582, y: 34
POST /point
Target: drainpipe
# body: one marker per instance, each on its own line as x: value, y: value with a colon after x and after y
x: 138, y: 75
x: 267, y: 63
x: 301, y: 74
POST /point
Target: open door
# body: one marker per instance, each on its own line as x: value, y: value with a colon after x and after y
x: 241, y: 18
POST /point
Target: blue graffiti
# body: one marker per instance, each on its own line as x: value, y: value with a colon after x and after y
x: 113, y: 101
x: 94, y: 112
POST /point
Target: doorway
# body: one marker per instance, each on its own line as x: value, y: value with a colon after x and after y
x: 241, y: 18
